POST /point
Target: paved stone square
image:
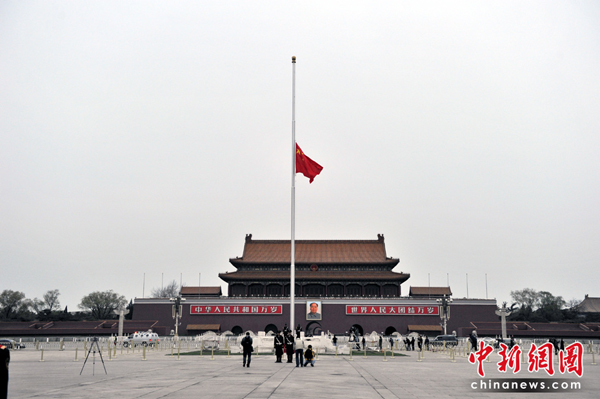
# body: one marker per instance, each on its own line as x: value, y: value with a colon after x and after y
x: 163, y: 376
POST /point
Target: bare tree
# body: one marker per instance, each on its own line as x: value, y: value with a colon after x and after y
x: 48, y: 304
x: 102, y: 304
x: 573, y: 302
x: 526, y: 298
x: 170, y: 291
x: 37, y: 305
x: 51, y: 300
x: 539, y: 306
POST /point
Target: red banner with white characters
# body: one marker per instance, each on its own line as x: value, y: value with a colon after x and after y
x: 236, y: 309
x: 393, y: 310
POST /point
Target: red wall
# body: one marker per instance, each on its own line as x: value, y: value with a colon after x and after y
x: 334, y: 317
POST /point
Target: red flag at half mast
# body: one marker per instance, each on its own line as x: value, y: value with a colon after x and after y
x: 305, y: 165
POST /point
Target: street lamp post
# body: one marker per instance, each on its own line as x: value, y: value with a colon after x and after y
x: 503, y: 312
x: 121, y: 312
x: 177, y: 312
x: 445, y: 310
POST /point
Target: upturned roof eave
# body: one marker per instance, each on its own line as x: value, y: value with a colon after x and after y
x: 231, y: 277
x: 386, y: 262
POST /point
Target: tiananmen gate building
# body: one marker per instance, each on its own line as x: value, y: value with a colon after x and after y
x: 348, y: 283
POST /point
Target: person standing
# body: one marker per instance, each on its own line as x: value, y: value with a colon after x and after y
x: 289, y: 346
x: 309, y: 356
x: 299, y: 344
x: 473, y: 341
x: 380, y: 343
x: 334, y: 340
x: 363, y: 343
x: 247, y: 348
x: 278, y: 344
x: 4, y: 361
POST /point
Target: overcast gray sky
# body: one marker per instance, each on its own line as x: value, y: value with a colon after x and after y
x: 150, y: 137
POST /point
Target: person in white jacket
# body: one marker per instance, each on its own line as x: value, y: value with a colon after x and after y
x: 299, y: 347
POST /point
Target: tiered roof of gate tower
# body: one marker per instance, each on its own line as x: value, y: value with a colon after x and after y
x: 323, y: 268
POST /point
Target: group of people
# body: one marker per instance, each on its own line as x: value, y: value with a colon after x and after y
x: 558, y: 344
x: 285, y: 342
x: 409, y: 343
x: 509, y: 342
x: 282, y: 342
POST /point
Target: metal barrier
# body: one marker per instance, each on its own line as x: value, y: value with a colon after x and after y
x: 230, y: 345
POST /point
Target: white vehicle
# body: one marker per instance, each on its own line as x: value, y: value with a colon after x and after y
x: 141, y: 338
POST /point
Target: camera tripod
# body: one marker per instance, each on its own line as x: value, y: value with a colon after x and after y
x: 94, y: 342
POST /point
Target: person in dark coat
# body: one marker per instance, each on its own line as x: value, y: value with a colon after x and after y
x: 289, y: 346
x: 412, y: 344
x: 4, y: 361
x: 420, y: 343
x: 380, y: 343
x: 556, y: 344
x: 309, y: 356
x: 473, y: 341
x: 298, y: 331
x: 278, y: 344
x: 391, y: 343
x: 427, y: 343
x: 363, y: 343
x: 247, y: 347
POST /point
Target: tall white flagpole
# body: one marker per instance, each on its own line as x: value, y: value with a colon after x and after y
x: 292, y: 241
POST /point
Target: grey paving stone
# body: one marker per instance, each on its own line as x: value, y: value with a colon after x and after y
x: 163, y: 376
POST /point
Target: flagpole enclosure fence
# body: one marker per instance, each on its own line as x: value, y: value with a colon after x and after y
x: 229, y: 344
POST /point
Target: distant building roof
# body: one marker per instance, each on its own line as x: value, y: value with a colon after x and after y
x: 201, y: 291
x: 70, y: 328
x: 315, y: 251
x: 424, y: 328
x: 430, y: 291
x: 589, y: 305
x: 204, y: 327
